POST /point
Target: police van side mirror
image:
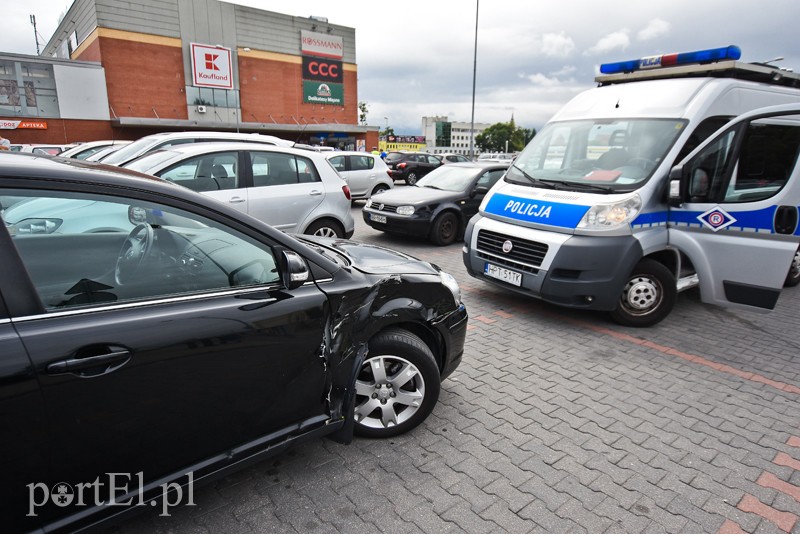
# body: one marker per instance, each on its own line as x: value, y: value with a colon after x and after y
x: 675, y: 177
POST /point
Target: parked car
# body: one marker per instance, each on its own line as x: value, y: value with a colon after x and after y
x: 154, y: 142
x: 293, y: 190
x: 43, y: 149
x: 440, y: 204
x: 84, y: 150
x: 202, y: 341
x: 411, y: 166
x: 496, y: 158
x: 365, y: 173
x: 452, y: 158
x: 103, y: 153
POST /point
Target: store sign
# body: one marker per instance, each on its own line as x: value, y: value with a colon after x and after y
x: 23, y: 125
x: 321, y: 44
x: 330, y: 94
x: 211, y: 66
x: 324, y: 70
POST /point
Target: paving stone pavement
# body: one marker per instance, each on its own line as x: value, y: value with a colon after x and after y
x: 556, y: 421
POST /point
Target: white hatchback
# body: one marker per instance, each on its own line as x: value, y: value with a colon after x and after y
x: 365, y: 173
x: 294, y: 190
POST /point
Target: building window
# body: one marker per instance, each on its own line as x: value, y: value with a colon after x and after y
x: 27, y: 89
x: 207, y: 96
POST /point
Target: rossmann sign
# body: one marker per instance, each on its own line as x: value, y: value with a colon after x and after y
x: 322, y: 69
x: 211, y: 66
x: 321, y: 44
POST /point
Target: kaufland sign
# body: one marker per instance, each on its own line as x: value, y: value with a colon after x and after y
x: 211, y: 66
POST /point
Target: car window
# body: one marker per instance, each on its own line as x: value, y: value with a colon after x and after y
x: 209, y: 172
x: 174, y: 142
x: 168, y: 253
x: 490, y: 178
x: 433, y: 160
x: 361, y: 163
x: 338, y: 163
x: 275, y: 168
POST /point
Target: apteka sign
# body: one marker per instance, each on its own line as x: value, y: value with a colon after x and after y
x: 211, y: 66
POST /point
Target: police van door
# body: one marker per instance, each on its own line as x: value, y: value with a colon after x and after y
x: 735, y: 215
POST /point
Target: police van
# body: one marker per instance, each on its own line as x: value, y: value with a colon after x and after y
x: 653, y: 182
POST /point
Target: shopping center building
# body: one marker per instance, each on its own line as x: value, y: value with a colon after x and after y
x: 124, y: 69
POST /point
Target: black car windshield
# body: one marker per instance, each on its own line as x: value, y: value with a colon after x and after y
x: 394, y: 156
x: 617, y: 155
x: 449, y: 178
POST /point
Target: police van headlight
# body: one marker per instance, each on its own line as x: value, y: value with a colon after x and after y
x: 611, y: 215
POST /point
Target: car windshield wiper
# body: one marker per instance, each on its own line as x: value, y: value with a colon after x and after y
x: 431, y: 187
x: 581, y: 185
x: 535, y: 181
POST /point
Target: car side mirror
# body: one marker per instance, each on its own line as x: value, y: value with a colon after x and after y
x: 295, y: 270
x: 675, y: 198
x: 479, y: 190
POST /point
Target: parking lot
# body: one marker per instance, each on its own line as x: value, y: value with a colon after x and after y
x: 556, y: 421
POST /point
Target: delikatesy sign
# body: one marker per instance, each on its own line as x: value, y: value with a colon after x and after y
x: 211, y: 66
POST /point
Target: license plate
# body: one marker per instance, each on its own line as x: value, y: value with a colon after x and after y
x: 377, y: 218
x: 505, y: 275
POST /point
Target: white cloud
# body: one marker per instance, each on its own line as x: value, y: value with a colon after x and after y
x: 565, y: 71
x: 557, y: 44
x: 655, y: 28
x: 611, y: 42
x: 541, y: 80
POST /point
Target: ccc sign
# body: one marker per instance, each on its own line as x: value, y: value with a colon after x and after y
x: 322, y: 69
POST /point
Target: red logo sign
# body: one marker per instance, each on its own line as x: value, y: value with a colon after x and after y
x: 323, y: 70
x: 210, y: 59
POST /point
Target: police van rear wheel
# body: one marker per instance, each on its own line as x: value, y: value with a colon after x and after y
x: 793, y: 278
x: 648, y: 296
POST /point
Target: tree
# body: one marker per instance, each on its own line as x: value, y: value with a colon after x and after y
x: 503, y: 137
x: 363, y: 109
x: 388, y: 131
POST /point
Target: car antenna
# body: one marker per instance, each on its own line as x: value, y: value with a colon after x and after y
x: 302, y: 130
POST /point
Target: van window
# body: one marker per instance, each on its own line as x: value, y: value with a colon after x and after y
x: 768, y: 153
x: 618, y: 155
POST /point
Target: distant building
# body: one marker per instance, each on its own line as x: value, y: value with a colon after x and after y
x: 443, y: 136
x: 127, y: 68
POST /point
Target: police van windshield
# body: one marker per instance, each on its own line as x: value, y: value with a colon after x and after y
x: 602, y: 155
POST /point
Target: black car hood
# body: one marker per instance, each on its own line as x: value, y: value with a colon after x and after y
x: 414, y: 195
x: 373, y: 259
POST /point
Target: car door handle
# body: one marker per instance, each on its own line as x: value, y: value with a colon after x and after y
x: 236, y: 200
x: 92, y: 365
x: 315, y: 192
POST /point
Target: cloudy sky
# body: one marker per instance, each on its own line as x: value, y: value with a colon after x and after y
x: 415, y: 58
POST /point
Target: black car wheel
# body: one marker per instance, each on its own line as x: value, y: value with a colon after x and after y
x: 793, y: 278
x: 445, y: 229
x: 411, y: 178
x: 325, y: 228
x: 648, y: 296
x: 397, y: 387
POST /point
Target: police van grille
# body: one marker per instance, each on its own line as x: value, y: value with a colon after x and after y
x: 525, y: 255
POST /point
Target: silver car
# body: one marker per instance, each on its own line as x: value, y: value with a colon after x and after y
x: 365, y: 173
x: 154, y: 142
x: 294, y: 190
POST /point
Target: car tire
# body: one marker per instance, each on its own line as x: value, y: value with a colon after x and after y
x: 411, y: 178
x: 445, y: 229
x: 793, y: 278
x: 648, y: 295
x: 325, y: 228
x: 405, y: 390
x: 380, y: 188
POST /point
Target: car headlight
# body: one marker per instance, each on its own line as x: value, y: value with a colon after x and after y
x: 610, y: 215
x: 35, y: 226
x: 369, y: 203
x: 405, y: 210
x: 451, y: 284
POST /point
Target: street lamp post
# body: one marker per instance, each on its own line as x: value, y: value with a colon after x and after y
x: 474, y: 73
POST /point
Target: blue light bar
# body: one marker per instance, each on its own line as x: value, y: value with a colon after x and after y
x: 670, y: 60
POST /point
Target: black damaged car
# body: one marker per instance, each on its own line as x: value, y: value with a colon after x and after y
x: 195, y: 342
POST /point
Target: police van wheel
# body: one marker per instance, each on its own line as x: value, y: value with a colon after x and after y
x: 648, y: 296
x: 793, y: 278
